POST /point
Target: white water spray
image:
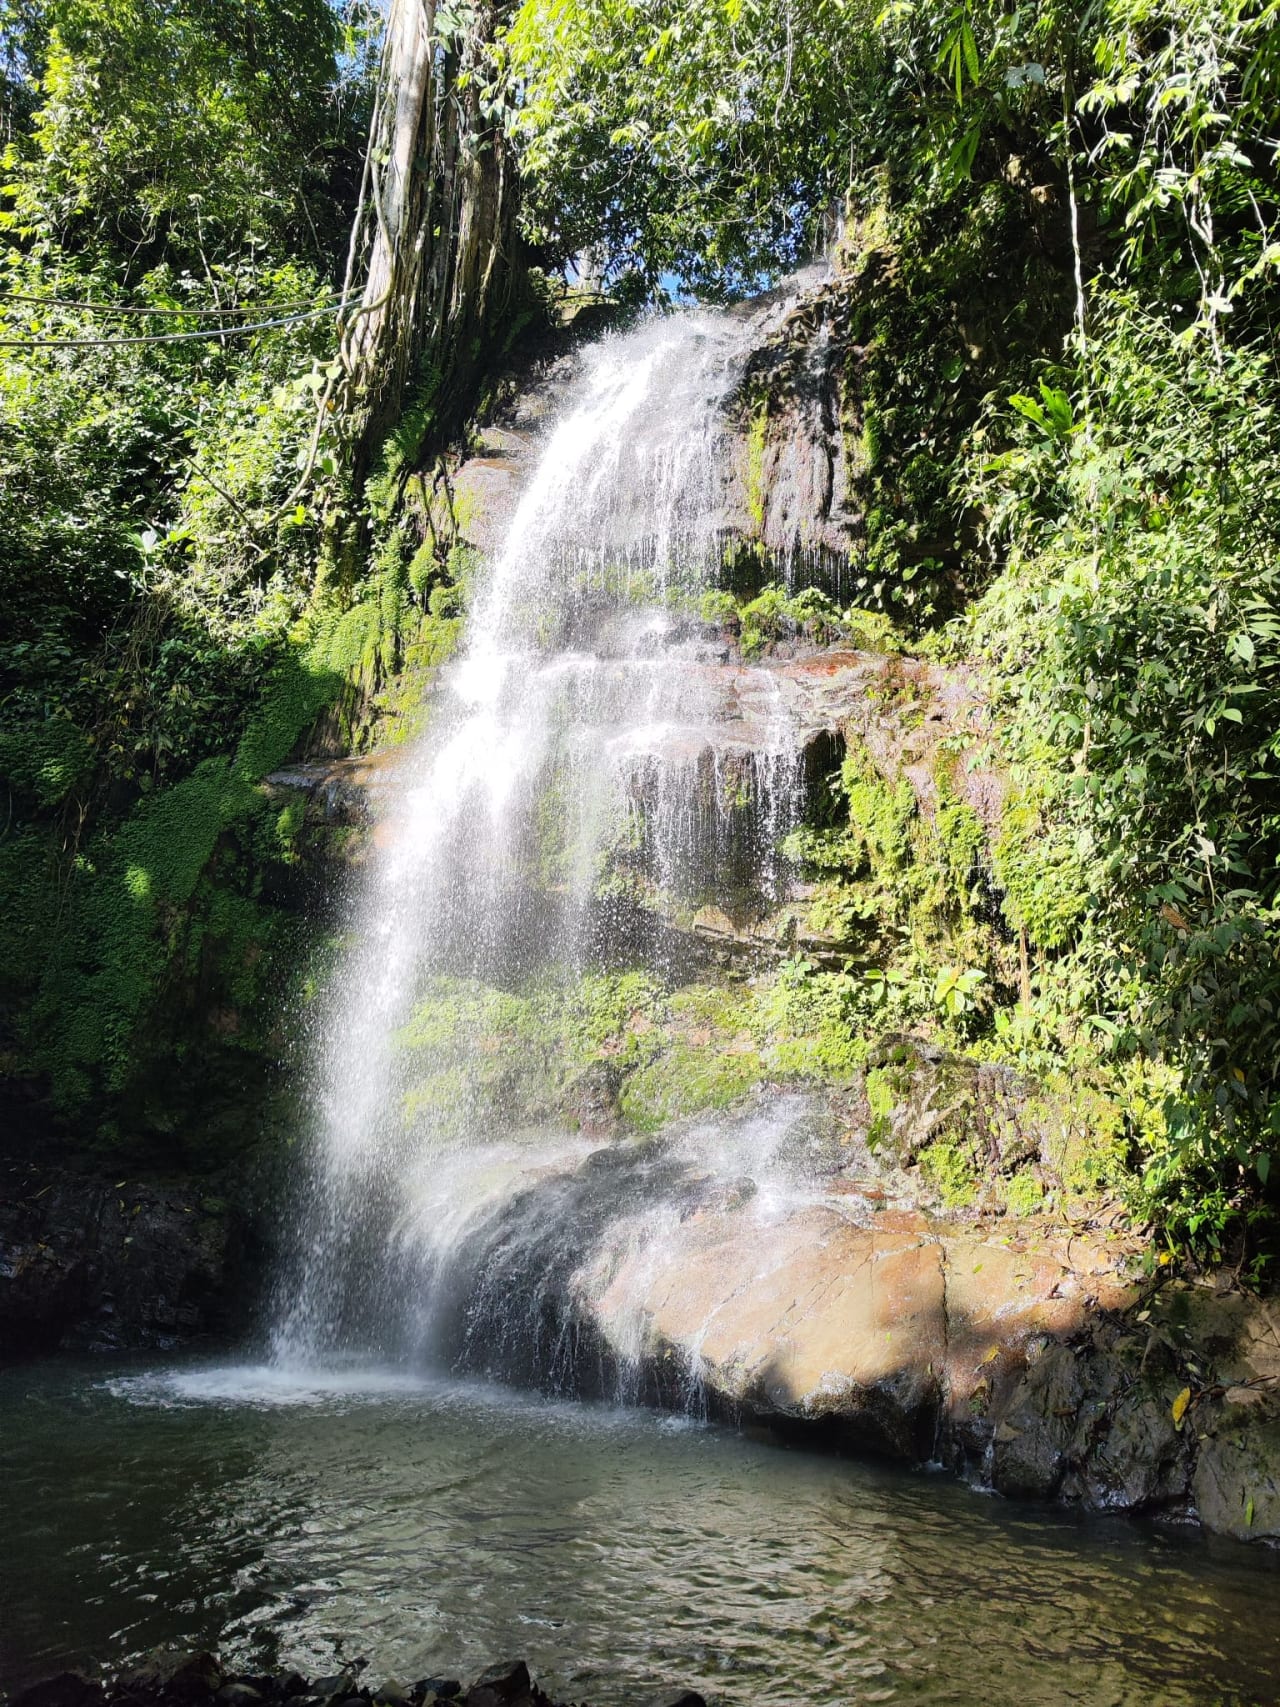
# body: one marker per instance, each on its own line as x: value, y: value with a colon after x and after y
x: 585, y: 717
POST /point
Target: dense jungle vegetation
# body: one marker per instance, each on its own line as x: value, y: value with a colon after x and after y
x: 1061, y: 227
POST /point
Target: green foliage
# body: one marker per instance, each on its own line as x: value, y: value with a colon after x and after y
x: 881, y: 815
x: 947, y: 1167
x: 666, y: 132
x: 949, y: 290
x: 175, y: 167
x: 177, y: 618
x: 1138, y: 607
x: 907, y: 890
x: 48, y: 761
x: 709, y: 1058
x: 882, y: 1096
x: 1036, y: 859
x: 470, y: 1047
x: 955, y: 989
x: 776, y: 614
x: 180, y: 131
x: 808, y: 1021
x: 147, y: 898
x: 1023, y: 1194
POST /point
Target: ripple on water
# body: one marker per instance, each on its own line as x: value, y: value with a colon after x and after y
x: 436, y: 1525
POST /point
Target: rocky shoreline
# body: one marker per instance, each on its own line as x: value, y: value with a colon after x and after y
x: 182, y: 1679
x: 1025, y: 1357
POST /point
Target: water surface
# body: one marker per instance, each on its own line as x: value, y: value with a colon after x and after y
x: 438, y: 1526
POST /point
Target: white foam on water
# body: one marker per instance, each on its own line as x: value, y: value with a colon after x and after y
x: 262, y: 1385
x: 279, y: 1387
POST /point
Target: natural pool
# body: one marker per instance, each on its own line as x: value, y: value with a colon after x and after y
x: 437, y: 1526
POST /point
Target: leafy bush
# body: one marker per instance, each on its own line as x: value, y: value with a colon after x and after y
x: 1135, y: 626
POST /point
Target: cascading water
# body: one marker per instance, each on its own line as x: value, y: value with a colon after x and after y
x: 584, y: 734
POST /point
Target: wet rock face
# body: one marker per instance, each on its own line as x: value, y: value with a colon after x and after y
x: 180, y: 1679
x: 981, y: 1105
x: 820, y: 1322
x: 87, y: 1264
x: 807, y: 1295
x: 788, y: 486
x: 905, y: 1335
x: 1237, y: 1476
x: 795, y: 487
x: 1087, y: 1422
x: 342, y: 802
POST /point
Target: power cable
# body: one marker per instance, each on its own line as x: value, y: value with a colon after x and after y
x: 133, y: 308
x: 163, y: 337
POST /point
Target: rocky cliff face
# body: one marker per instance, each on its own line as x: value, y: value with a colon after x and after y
x: 790, y: 460
x: 808, y: 1291
x: 93, y: 1264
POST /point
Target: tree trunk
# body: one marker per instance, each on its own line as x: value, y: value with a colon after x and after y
x: 435, y: 225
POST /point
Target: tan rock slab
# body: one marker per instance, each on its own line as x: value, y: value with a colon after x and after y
x: 801, y: 1313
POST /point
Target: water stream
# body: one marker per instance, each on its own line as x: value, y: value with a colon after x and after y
x: 583, y: 754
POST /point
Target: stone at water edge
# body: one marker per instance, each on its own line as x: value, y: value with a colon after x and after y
x: 1033, y: 1437
x: 830, y: 1321
x: 1237, y: 1479
x: 336, y: 1688
x: 502, y: 1685
x: 67, y: 1689
x: 1093, y: 1422
x: 176, y: 1676
x: 393, y: 1693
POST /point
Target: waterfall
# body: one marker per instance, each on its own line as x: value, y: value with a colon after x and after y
x: 583, y: 732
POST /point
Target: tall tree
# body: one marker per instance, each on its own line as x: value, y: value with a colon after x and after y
x: 435, y: 225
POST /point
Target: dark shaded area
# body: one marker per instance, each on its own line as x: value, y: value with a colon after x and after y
x: 201, y: 1680
x: 89, y: 1263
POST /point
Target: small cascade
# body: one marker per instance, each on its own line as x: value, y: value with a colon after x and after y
x: 583, y: 755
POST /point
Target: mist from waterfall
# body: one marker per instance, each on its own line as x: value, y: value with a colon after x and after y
x: 582, y: 728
